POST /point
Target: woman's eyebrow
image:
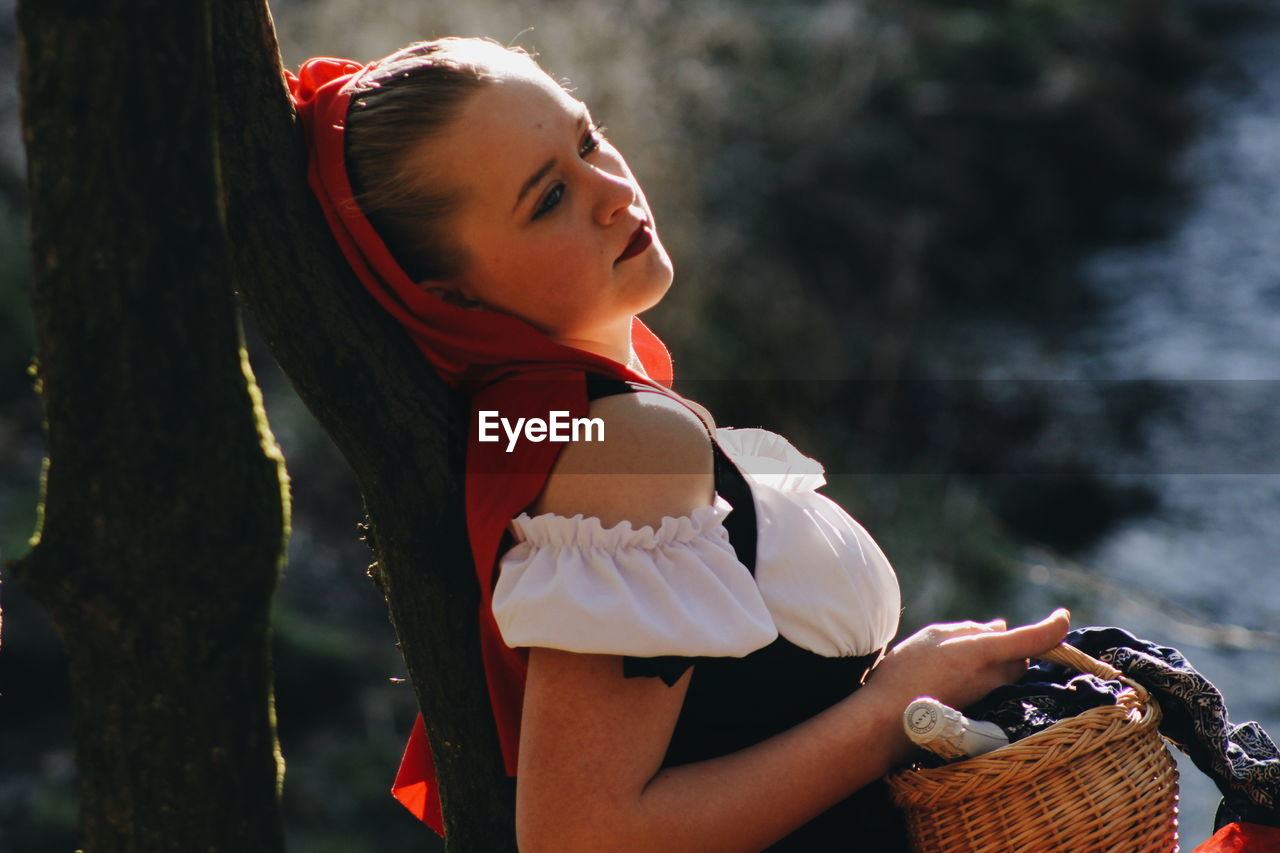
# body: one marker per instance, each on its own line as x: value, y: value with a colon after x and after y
x: 534, y: 181
x: 542, y: 171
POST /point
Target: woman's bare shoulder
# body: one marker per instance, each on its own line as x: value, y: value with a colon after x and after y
x: 654, y: 461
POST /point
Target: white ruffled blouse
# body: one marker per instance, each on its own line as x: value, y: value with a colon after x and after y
x: 820, y: 580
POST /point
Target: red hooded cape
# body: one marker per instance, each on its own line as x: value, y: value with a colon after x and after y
x: 502, y: 362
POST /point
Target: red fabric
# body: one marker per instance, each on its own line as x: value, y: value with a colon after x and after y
x: 501, y: 362
x: 1242, y: 838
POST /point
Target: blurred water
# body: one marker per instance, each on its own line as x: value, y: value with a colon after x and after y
x: 1204, y: 304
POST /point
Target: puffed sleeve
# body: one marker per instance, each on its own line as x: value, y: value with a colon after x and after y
x: 679, y: 589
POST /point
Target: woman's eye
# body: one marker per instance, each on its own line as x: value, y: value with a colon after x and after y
x: 550, y: 200
x: 591, y: 142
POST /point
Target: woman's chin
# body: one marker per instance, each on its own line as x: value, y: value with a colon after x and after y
x: 660, y: 284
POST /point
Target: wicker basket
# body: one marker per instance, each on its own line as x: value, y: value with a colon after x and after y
x: 1100, y: 781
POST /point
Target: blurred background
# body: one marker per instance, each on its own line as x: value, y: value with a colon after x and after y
x: 1009, y: 268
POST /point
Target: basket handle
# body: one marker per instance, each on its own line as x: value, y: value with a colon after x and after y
x: 1070, y: 656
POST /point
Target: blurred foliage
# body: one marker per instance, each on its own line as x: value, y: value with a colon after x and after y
x: 997, y: 145
x: 922, y: 216
x: 876, y: 209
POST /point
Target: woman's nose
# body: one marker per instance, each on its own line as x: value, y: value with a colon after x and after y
x: 615, y: 194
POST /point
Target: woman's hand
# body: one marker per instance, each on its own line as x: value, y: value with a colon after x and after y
x: 960, y: 662
x: 592, y: 744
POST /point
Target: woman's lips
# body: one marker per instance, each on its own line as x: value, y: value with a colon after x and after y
x: 640, y: 240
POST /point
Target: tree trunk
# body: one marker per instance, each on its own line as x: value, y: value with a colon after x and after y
x: 165, y: 501
x: 386, y: 410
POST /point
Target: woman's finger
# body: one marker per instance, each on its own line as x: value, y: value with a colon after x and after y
x: 1014, y: 670
x: 959, y: 629
x: 1030, y: 641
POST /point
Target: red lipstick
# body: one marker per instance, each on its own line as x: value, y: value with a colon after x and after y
x: 640, y: 240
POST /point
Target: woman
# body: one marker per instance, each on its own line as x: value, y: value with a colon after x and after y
x: 677, y: 627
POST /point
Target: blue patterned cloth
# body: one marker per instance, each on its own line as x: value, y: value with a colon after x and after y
x: 1241, y: 759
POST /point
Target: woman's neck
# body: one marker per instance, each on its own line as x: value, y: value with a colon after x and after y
x: 635, y: 364
x: 616, y: 346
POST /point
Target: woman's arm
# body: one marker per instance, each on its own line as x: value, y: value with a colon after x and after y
x: 592, y: 741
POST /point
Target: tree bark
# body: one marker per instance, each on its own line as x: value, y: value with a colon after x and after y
x: 165, y: 501
x: 390, y: 416
x: 164, y: 163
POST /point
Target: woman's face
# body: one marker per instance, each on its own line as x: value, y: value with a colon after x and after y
x: 553, y: 225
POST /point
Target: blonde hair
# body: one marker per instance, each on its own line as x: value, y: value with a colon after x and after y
x: 396, y: 107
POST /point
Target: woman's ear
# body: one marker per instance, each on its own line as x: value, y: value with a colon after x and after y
x: 450, y: 294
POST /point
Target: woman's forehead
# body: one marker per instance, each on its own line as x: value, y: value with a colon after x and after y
x: 507, y: 129
x: 525, y: 105
x: 521, y: 71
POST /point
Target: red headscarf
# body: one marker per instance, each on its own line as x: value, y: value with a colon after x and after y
x: 492, y: 357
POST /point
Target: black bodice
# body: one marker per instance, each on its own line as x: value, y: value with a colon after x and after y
x: 733, y: 703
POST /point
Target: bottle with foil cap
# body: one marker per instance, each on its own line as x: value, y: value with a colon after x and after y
x: 948, y: 733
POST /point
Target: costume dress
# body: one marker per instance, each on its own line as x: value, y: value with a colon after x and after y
x: 757, y: 638
x: 778, y: 599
